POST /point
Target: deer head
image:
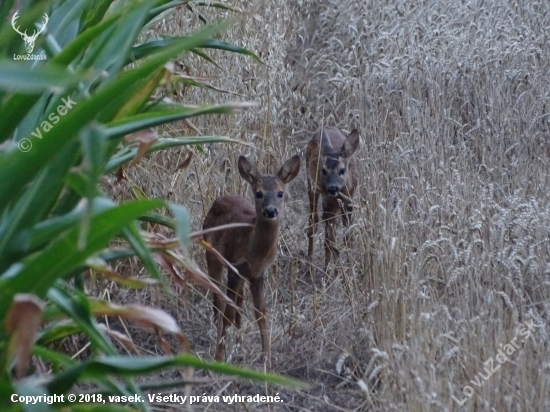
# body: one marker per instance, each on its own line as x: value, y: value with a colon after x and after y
x: 29, y: 40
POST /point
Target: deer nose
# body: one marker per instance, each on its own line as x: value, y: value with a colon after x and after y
x: 333, y: 190
x: 270, y: 212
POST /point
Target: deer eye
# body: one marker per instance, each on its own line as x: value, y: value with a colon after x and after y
x: 342, y: 172
x: 324, y: 171
x: 259, y: 195
x: 280, y: 195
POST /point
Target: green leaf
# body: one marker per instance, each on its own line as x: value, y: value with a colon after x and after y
x: 93, y: 140
x: 217, y: 6
x: 57, y: 331
x: 15, y: 76
x: 49, y: 229
x: 205, y: 56
x: 5, y: 8
x: 183, y: 225
x: 55, y: 357
x: 97, y: 407
x: 39, y: 272
x: 54, y: 221
x: 225, y: 46
x: 162, y: 6
x: 150, y: 119
x: 142, y: 95
x: 31, y: 207
x: 113, y: 45
x: 131, y: 234
x: 96, y: 14
x: 78, y: 309
x: 79, y: 44
x: 145, y: 49
x: 18, y: 105
x: 128, y: 154
x: 17, y: 169
x: 158, y: 219
x: 126, y: 366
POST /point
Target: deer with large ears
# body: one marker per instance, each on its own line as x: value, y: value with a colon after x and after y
x: 332, y: 176
x: 251, y: 250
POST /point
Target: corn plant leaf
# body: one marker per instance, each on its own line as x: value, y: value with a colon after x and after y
x: 141, y: 96
x: 22, y: 323
x: 55, y: 331
x: 55, y: 357
x: 133, y: 282
x: 113, y: 45
x: 128, y: 154
x: 5, y: 8
x: 159, y: 219
x: 206, y: 57
x: 32, y: 206
x: 147, y: 316
x: 22, y: 78
x: 183, y: 225
x: 126, y: 366
x: 225, y: 46
x: 43, y: 232
x: 193, y: 272
x: 217, y: 5
x: 96, y: 13
x: 17, y: 168
x: 19, y: 104
x: 140, y: 121
x: 131, y: 234
x: 96, y: 407
x: 77, y: 307
x: 145, y: 49
x: 63, y: 256
x: 79, y: 44
x: 64, y: 21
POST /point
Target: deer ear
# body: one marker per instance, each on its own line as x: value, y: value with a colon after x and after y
x: 351, y: 144
x: 248, y: 170
x: 326, y: 146
x: 289, y: 170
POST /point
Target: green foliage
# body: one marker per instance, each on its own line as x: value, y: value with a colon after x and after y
x: 62, y: 126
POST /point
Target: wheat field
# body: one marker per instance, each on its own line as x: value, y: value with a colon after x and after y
x: 451, y: 252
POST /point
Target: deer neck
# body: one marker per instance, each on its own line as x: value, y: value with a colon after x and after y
x: 263, y: 243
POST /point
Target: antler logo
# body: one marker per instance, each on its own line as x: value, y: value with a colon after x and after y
x: 29, y: 40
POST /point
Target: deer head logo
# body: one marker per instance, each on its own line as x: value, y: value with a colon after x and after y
x: 29, y: 40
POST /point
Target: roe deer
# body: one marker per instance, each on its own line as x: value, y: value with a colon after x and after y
x: 332, y: 173
x: 250, y: 249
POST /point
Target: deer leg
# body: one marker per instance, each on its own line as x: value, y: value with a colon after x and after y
x: 313, y: 219
x: 234, y: 288
x: 329, y: 216
x: 239, y: 303
x: 258, y: 298
x: 215, y: 271
x: 243, y: 270
x: 347, y: 220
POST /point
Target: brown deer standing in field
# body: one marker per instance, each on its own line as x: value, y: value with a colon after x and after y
x: 332, y: 174
x: 250, y: 249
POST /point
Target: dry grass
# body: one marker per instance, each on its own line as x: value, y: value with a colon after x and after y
x: 452, y: 223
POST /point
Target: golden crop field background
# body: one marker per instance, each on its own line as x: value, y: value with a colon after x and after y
x: 451, y: 253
